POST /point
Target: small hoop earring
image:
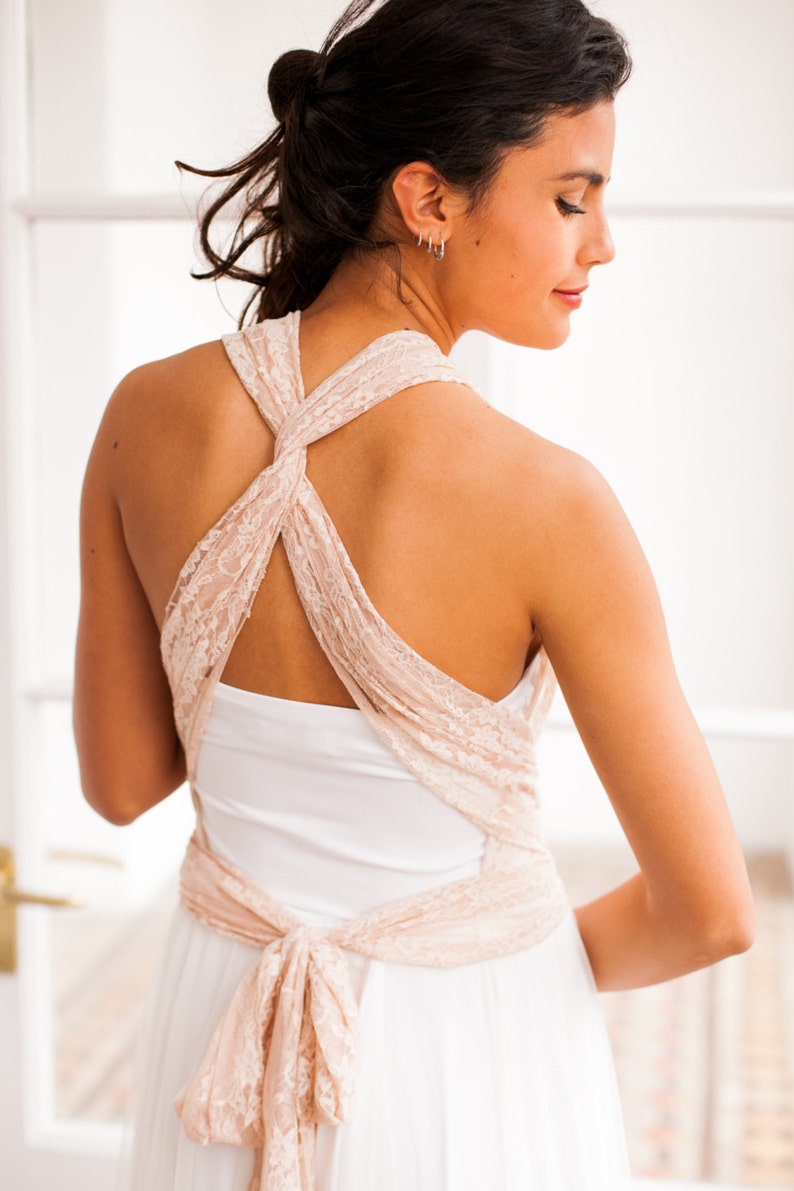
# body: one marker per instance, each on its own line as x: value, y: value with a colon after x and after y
x: 418, y: 238
x: 429, y: 243
x: 438, y: 253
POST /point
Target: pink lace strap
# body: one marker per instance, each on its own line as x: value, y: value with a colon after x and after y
x: 268, y: 364
x: 281, y: 1059
x: 219, y: 581
x: 477, y: 756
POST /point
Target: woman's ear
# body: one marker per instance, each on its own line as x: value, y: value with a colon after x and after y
x: 423, y: 199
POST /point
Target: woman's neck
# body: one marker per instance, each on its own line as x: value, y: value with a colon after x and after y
x: 367, y: 297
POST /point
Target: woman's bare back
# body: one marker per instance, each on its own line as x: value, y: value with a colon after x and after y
x: 417, y: 487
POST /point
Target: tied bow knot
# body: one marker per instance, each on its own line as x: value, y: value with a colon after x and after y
x: 281, y: 1059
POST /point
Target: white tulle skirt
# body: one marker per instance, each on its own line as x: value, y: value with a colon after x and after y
x: 492, y: 1076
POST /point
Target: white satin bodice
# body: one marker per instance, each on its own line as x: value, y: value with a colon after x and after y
x: 309, y: 801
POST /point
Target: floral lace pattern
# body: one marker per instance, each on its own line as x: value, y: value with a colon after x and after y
x: 281, y: 1059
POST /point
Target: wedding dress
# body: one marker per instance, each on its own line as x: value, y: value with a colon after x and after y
x: 374, y: 980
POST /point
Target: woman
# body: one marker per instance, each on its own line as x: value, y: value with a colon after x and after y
x: 374, y: 979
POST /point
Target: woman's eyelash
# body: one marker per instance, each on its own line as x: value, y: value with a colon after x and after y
x: 568, y: 208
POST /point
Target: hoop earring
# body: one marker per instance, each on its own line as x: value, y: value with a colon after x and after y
x: 437, y: 250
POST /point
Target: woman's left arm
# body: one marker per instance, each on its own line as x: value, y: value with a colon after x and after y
x: 129, y: 752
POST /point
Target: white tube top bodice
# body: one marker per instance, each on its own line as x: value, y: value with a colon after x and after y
x: 309, y: 802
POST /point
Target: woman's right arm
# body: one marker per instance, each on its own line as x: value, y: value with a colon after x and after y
x: 599, y: 615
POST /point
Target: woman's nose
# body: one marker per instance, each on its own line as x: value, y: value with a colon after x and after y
x: 600, y: 247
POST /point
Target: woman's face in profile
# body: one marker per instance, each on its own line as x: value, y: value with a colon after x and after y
x: 520, y: 262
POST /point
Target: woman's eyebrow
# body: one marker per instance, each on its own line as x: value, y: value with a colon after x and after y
x: 595, y: 179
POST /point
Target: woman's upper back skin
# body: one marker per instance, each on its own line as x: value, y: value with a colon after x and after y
x: 426, y: 490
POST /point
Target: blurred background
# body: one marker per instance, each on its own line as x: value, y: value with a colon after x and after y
x: 676, y: 382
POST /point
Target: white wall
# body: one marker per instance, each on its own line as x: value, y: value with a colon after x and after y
x: 677, y: 383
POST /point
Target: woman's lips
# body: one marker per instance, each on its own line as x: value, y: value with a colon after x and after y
x: 571, y: 297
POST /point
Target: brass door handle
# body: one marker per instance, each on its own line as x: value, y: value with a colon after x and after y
x: 10, y: 898
x: 18, y: 897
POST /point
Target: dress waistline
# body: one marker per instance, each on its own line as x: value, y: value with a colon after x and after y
x: 281, y: 1059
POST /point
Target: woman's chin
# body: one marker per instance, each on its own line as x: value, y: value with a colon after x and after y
x: 550, y: 337
x: 542, y: 334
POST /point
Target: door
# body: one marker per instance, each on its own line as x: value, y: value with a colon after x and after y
x: 96, y: 247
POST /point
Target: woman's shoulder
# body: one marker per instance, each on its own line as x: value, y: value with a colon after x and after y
x: 537, y: 479
x: 171, y: 385
x: 186, y: 401
x: 180, y: 428
x: 192, y: 402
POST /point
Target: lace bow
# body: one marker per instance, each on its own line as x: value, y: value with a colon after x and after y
x: 281, y: 1060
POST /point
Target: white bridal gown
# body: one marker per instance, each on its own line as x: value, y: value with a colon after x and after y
x: 493, y: 1075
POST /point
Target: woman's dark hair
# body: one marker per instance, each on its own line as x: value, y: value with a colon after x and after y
x: 454, y: 83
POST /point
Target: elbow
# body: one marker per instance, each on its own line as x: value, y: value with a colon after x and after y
x: 116, y: 806
x: 733, y: 934
x: 121, y: 803
x: 741, y: 937
x: 115, y: 813
x: 703, y: 934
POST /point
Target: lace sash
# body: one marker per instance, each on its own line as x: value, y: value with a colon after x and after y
x: 281, y: 1058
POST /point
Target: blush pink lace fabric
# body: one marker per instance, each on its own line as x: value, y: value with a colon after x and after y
x: 281, y: 1059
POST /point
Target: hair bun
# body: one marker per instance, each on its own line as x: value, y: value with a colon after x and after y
x: 288, y: 79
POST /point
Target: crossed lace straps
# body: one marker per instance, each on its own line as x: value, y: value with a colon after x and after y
x: 219, y: 581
